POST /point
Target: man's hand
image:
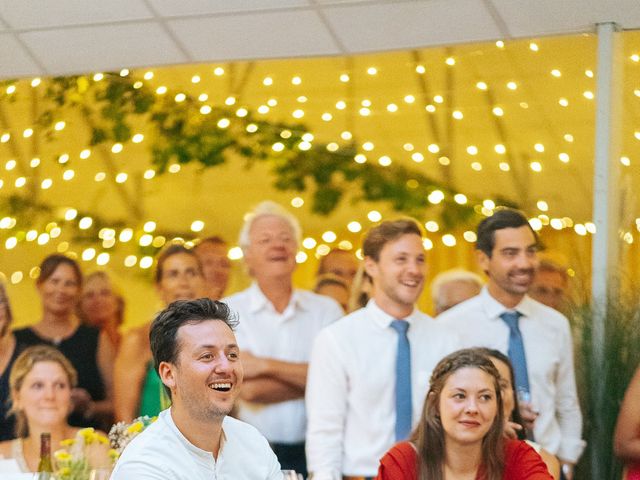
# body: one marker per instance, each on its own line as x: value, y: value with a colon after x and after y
x: 253, y: 366
x: 528, y: 414
x: 567, y: 469
x: 511, y: 429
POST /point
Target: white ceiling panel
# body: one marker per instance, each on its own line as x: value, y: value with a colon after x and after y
x: 171, y: 8
x: 14, y: 60
x: 266, y: 35
x: 549, y: 17
x: 72, y: 36
x: 325, y: 3
x: 411, y: 24
x: 102, y: 48
x: 29, y: 14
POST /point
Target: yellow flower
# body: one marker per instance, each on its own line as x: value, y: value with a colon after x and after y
x: 68, y: 442
x: 62, y: 455
x: 135, y: 428
x: 113, y: 454
x: 64, y: 472
x: 102, y: 439
x: 88, y: 434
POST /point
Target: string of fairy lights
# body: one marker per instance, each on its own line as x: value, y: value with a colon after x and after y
x: 104, y: 249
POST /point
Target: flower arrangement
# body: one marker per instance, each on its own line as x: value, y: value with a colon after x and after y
x: 90, y: 450
x: 86, y: 451
x: 122, y: 433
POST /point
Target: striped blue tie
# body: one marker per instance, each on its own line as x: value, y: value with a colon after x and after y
x: 516, y: 351
x: 403, y: 381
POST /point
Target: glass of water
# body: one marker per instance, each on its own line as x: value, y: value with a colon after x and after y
x: 291, y: 475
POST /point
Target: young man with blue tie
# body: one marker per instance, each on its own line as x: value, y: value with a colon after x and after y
x: 536, y: 337
x: 369, y: 371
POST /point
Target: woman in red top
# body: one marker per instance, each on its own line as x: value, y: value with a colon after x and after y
x: 626, y: 441
x: 459, y: 436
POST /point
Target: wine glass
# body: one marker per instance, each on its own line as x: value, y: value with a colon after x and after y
x: 291, y: 475
x: 100, y: 474
x: 527, y: 409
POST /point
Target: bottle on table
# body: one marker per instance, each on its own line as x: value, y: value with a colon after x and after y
x: 45, y: 468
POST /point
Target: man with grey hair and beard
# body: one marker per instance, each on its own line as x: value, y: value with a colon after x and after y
x: 278, y: 324
x: 197, y: 358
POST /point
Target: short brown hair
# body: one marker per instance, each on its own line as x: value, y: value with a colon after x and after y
x: 51, y: 263
x: 388, y: 231
x: 547, y: 265
x: 170, y: 251
x: 213, y: 240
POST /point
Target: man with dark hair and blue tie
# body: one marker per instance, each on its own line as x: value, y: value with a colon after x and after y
x: 536, y: 337
x: 369, y: 371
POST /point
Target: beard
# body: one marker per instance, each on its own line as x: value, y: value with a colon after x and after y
x: 205, y: 411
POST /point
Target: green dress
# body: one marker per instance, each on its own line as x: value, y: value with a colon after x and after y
x: 154, y: 399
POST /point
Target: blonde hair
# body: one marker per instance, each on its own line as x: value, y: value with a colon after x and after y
x: 21, y: 368
x: 115, y: 291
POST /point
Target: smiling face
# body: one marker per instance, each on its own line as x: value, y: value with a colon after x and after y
x: 271, y: 252
x: 512, y: 264
x: 181, y: 278
x: 398, y: 275
x: 467, y: 406
x: 45, y: 395
x: 206, y: 378
x: 60, y: 292
x: 98, y: 303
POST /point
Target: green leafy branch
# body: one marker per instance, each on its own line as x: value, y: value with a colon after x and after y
x: 179, y: 131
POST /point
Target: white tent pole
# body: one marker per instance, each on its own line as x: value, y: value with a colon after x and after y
x: 605, y: 181
x: 606, y: 208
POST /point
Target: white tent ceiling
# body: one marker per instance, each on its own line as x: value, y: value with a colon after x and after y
x: 43, y: 37
x: 543, y: 93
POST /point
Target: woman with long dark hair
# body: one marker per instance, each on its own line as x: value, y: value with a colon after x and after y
x: 89, y: 351
x: 460, y: 433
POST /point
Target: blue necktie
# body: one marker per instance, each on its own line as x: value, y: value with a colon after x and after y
x: 403, y: 381
x: 516, y: 351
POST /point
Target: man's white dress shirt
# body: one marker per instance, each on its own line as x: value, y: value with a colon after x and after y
x: 286, y: 336
x: 161, y: 452
x: 549, y: 351
x: 351, y: 388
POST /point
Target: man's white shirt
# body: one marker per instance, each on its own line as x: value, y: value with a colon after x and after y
x: 162, y: 452
x: 549, y: 351
x: 351, y: 388
x: 286, y: 336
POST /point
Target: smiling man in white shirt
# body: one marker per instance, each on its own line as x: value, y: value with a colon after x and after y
x: 197, y: 358
x: 369, y: 372
x: 277, y: 326
x: 536, y: 337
